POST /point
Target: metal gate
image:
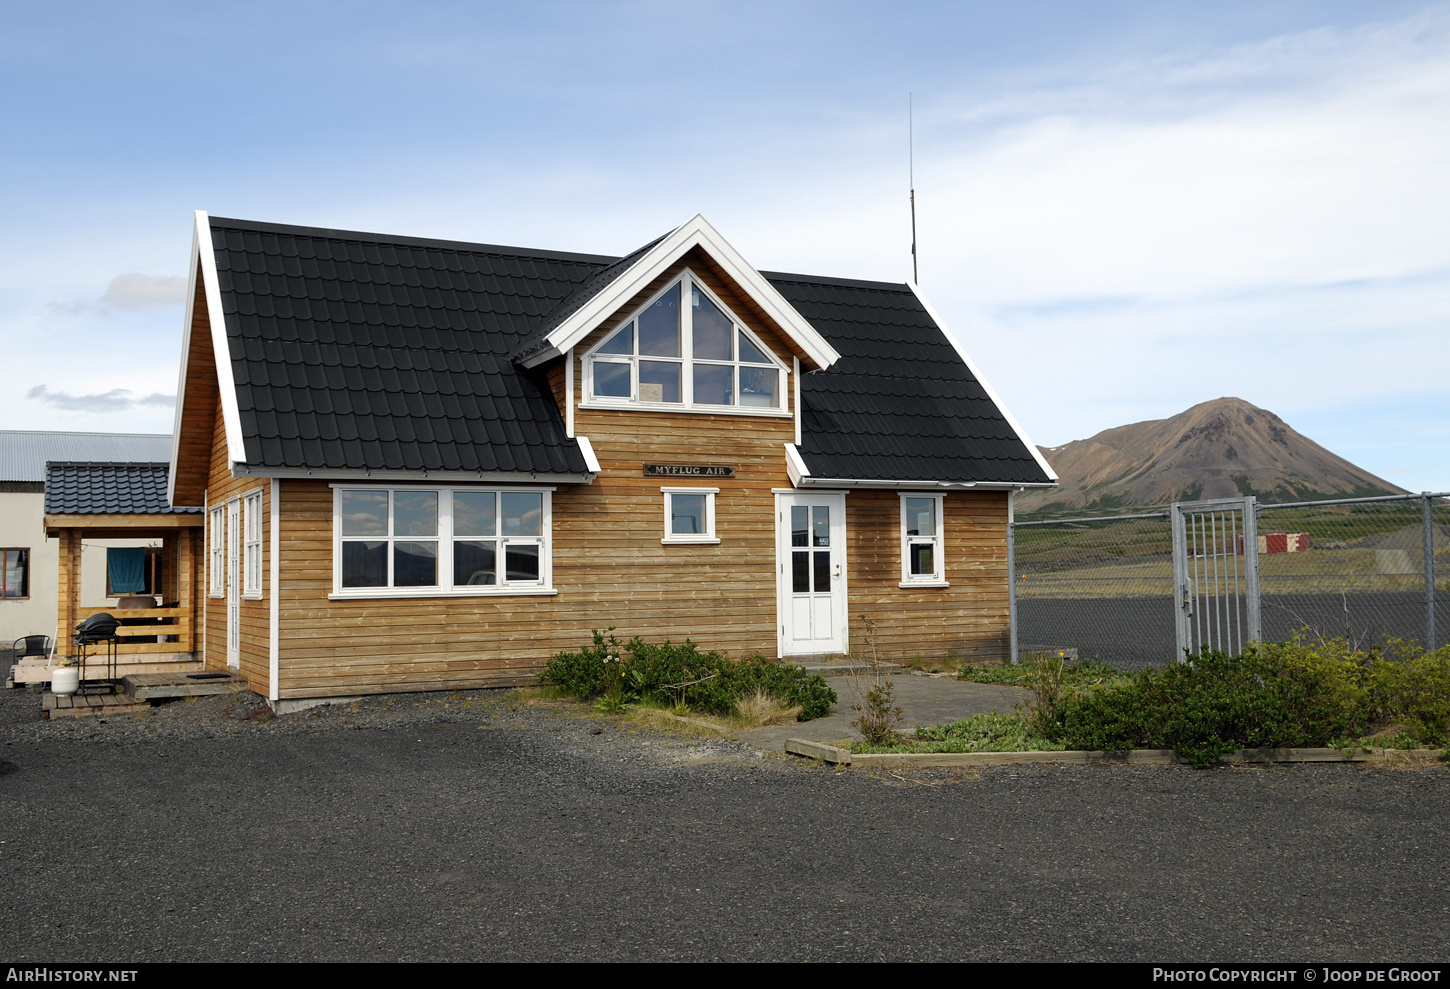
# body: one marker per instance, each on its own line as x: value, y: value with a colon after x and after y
x: 1216, y: 574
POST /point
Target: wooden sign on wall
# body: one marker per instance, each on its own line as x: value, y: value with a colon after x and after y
x: 687, y: 470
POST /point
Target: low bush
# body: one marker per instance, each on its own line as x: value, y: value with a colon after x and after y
x: 1293, y: 694
x: 680, y: 674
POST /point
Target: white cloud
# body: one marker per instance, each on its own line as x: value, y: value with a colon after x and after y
x: 136, y: 291
x: 115, y: 400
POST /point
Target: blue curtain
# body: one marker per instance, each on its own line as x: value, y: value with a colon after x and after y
x: 127, y: 569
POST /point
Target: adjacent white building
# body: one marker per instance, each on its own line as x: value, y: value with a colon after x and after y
x: 30, y: 562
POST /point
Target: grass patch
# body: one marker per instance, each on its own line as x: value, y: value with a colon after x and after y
x: 1081, y: 675
x: 981, y: 733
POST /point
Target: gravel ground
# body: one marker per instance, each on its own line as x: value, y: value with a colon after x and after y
x: 480, y: 827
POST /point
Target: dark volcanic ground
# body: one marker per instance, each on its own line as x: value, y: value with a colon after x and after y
x: 455, y: 827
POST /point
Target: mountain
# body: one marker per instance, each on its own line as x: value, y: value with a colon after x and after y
x: 1220, y: 449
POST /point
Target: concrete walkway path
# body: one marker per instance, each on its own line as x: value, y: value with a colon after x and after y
x: 924, y: 700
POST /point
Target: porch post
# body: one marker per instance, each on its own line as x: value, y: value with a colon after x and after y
x: 69, y: 583
x: 185, y: 588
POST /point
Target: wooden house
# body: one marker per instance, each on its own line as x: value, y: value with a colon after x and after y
x: 427, y: 464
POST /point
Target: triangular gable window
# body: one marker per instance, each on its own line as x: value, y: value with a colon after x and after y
x: 698, y: 355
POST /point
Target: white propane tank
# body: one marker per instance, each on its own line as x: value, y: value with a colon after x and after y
x: 65, y: 680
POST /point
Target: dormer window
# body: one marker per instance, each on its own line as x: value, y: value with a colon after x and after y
x: 670, y: 355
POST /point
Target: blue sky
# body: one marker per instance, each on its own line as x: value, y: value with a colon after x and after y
x: 1124, y: 208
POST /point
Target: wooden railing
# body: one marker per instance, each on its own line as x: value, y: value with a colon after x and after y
x: 139, y: 639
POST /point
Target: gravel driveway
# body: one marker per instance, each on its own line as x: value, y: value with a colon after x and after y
x: 467, y: 827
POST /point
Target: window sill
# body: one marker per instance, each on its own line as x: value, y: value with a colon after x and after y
x: 698, y: 541
x: 905, y: 585
x: 372, y: 594
x: 253, y: 596
x: 714, y: 410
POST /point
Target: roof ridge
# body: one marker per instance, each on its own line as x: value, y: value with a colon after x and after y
x: 109, y: 463
x: 363, y: 236
x: 787, y: 276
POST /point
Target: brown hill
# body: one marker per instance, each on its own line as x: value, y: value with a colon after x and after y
x: 1220, y: 449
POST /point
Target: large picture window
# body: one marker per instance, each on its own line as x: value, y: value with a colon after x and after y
x: 429, y: 541
x: 921, y: 540
x: 684, y: 349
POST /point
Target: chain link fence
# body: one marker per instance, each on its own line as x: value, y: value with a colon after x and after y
x: 1102, y: 588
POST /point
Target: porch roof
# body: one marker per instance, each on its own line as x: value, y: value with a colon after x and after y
x: 111, y: 489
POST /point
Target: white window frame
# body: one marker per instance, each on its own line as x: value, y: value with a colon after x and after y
x: 252, y: 545
x: 937, y: 542
x: 217, y: 558
x: 686, y: 283
x: 445, y: 538
x: 706, y: 538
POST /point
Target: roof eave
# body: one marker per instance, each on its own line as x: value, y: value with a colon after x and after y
x: 986, y: 387
x: 364, y: 475
x: 841, y: 482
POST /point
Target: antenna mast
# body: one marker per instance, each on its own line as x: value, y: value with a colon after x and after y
x: 911, y: 179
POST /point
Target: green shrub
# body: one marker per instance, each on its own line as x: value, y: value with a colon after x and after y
x: 1411, y: 687
x: 1269, y: 696
x: 583, y: 673
x: 679, y: 673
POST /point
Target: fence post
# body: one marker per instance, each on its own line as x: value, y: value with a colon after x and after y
x: 1012, y: 575
x: 1427, y: 520
x: 1251, y: 568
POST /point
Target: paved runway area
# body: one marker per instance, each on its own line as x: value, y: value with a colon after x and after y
x: 461, y: 827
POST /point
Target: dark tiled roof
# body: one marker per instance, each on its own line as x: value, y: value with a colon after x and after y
x: 355, y: 351
x: 535, y: 341
x: 900, y: 404
x: 107, y: 489
x: 360, y: 351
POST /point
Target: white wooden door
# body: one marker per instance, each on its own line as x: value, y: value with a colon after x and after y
x: 234, y: 596
x: 811, y: 573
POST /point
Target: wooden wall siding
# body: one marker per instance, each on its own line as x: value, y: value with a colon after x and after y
x: 969, y: 618
x: 199, y: 407
x: 609, y: 568
x: 255, y: 652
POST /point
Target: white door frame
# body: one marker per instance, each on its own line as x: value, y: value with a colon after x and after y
x: 234, y: 603
x: 839, y: 639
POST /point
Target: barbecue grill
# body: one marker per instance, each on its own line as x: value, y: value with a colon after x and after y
x: 98, y: 630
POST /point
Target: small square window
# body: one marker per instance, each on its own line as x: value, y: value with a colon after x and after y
x: 690, y: 515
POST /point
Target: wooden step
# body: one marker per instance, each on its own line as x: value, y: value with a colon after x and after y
x: 88, y: 705
x: 158, y: 686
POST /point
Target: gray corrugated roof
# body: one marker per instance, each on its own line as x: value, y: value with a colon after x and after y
x: 108, y: 489
x: 23, y: 454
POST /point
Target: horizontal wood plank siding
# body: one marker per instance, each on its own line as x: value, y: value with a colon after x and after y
x: 968, y: 619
